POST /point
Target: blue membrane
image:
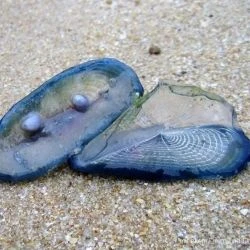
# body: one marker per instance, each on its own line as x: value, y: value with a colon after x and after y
x: 111, y: 87
x: 174, y: 132
x: 159, y: 154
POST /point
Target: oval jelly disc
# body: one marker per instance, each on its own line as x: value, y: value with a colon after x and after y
x: 110, y: 86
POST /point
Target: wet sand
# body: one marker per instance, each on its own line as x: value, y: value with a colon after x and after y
x: 202, y: 43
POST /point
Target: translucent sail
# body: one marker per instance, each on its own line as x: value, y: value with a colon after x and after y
x: 174, y: 132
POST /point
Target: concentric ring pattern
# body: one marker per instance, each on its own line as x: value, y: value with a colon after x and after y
x: 203, y: 152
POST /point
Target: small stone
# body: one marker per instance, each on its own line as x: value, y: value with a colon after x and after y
x: 140, y: 201
x: 245, y: 202
x: 89, y: 248
x: 137, y: 2
x: 244, y: 211
x: 154, y: 50
x: 144, y: 232
x: 73, y: 241
x: 70, y: 239
x: 181, y: 233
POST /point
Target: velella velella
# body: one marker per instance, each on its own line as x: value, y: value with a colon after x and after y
x: 94, y: 116
x: 174, y: 132
x: 52, y: 123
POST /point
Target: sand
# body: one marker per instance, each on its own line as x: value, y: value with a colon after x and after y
x: 203, y: 43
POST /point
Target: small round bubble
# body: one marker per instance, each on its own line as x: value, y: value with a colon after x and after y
x: 32, y: 122
x: 80, y: 102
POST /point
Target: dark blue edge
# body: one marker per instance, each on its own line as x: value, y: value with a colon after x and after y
x: 34, y: 175
x: 110, y: 65
x: 38, y: 93
x: 56, y: 163
x: 132, y: 173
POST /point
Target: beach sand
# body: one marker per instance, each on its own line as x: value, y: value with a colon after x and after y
x: 202, y: 43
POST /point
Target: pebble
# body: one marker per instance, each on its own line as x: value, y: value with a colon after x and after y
x: 244, y: 211
x: 154, y: 50
x: 140, y: 201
